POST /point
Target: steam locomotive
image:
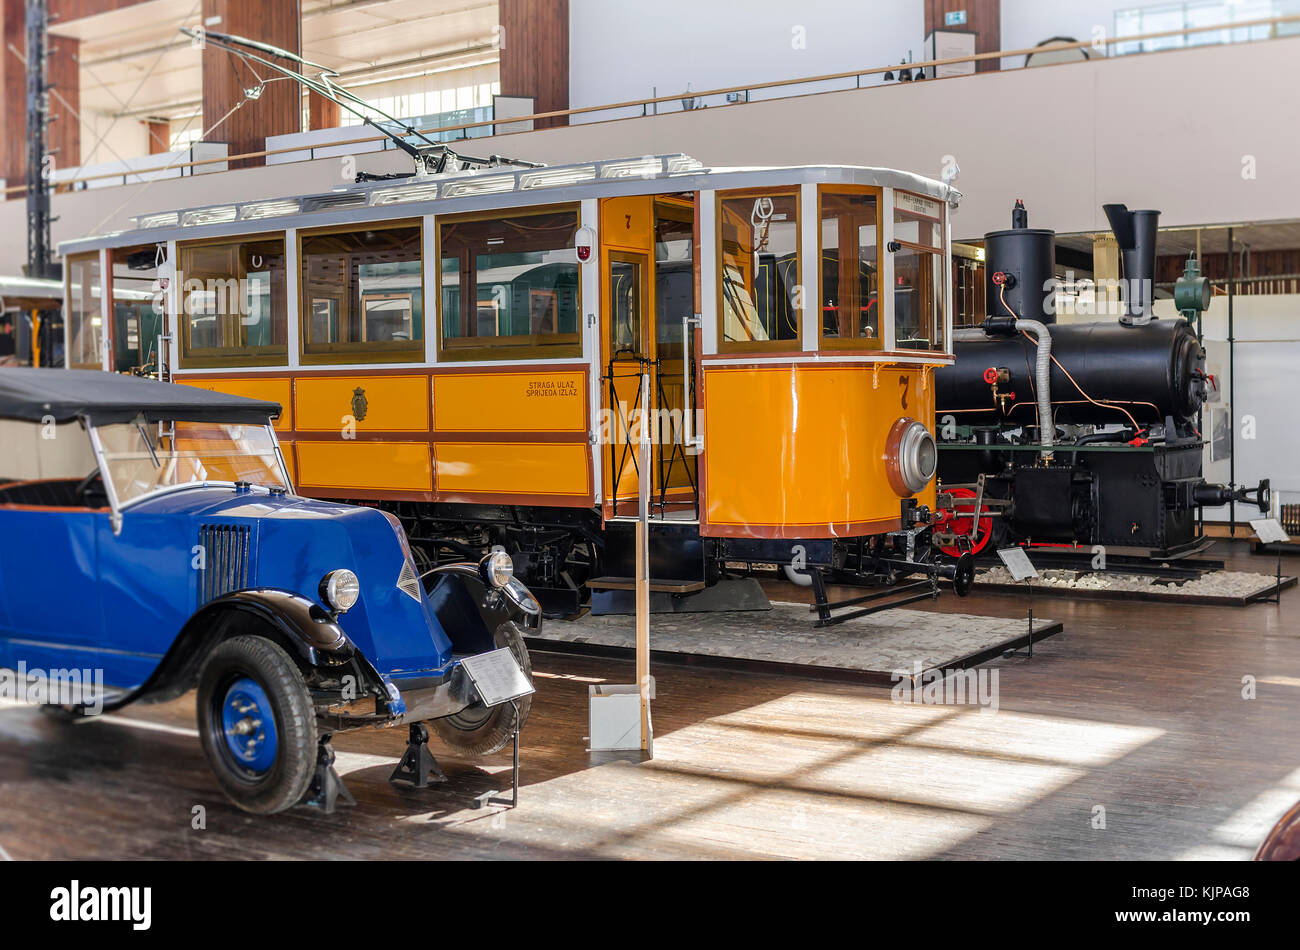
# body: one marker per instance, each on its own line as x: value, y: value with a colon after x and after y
x: 1082, y: 433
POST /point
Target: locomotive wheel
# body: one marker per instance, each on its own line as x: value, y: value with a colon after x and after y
x: 482, y: 730
x: 958, y: 523
x: 963, y: 578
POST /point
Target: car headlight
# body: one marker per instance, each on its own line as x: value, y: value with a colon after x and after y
x: 340, y: 590
x: 497, y: 568
x: 910, y: 457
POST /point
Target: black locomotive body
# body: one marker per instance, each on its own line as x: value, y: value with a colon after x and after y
x: 1095, y: 441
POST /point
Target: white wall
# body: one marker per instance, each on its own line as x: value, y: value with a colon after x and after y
x: 1267, y: 331
x: 125, y: 138
x: 621, y: 50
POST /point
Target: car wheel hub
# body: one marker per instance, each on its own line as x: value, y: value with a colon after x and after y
x: 248, y: 725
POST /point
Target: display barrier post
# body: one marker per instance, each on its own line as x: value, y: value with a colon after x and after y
x: 643, y: 570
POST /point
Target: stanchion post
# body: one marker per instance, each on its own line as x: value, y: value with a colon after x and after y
x: 646, y: 477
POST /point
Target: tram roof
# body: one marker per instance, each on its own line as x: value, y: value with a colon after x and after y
x: 488, y: 190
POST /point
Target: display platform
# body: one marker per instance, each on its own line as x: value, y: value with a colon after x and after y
x: 783, y: 640
x: 1214, y: 589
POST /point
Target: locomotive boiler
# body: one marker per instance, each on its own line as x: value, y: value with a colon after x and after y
x: 1081, y: 433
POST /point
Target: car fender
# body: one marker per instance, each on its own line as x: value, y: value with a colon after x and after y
x: 301, y: 626
x: 468, y: 610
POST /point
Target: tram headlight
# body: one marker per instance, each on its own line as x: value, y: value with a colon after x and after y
x: 910, y: 457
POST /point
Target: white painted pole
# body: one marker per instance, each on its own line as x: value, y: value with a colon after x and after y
x: 644, y: 484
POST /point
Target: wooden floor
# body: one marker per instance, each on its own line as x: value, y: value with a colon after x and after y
x: 1136, y: 709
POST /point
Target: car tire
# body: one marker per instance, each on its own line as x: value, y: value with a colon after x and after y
x: 262, y: 770
x: 480, y: 730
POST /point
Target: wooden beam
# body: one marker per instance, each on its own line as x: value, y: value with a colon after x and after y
x: 278, y: 110
x: 535, y: 55
x: 322, y: 113
x: 983, y: 18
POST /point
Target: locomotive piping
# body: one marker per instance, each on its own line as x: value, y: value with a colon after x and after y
x: 1043, y: 379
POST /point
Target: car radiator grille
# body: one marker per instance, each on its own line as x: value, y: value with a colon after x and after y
x: 225, y: 560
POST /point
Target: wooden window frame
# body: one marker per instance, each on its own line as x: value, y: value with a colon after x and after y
x: 387, y: 295
x: 940, y: 267
x: 759, y: 346
x: 222, y: 356
x: 864, y: 344
x: 358, y: 352
x: 532, y: 346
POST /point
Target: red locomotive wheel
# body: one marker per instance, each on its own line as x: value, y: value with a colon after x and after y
x: 955, y: 522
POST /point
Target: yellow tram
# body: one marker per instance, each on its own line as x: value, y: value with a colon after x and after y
x: 470, y: 349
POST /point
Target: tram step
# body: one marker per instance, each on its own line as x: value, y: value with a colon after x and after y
x: 656, y: 586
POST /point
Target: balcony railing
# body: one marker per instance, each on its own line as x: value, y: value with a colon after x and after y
x: 1272, y: 28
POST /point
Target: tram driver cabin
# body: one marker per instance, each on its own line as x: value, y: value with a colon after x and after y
x: 468, y: 350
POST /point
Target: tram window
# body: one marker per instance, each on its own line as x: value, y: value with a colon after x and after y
x: 509, y: 285
x: 918, y: 300
x: 233, y: 303
x: 919, y: 278
x: 85, y: 322
x: 674, y: 274
x: 324, y: 319
x: 137, y: 308
x: 365, y: 295
x: 850, y: 305
x: 759, y: 299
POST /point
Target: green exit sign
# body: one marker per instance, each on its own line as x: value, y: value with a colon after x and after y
x: 954, y: 18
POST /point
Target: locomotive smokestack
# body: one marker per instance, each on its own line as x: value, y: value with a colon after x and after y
x: 1135, y: 233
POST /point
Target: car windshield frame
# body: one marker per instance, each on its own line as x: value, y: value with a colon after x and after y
x: 150, y: 450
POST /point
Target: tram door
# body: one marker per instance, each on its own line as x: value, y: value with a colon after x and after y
x: 647, y: 288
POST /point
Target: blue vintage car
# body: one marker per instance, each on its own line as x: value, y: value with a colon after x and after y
x: 151, y: 543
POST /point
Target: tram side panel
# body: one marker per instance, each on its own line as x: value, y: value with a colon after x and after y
x: 483, y: 436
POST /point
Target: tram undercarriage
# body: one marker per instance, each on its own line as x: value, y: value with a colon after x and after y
x: 569, y: 560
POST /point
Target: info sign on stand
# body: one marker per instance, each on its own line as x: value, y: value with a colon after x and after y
x: 1017, y: 562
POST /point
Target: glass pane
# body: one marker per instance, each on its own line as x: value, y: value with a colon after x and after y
x: 510, y: 281
x: 625, y: 308
x: 850, y: 269
x: 144, y: 458
x: 85, y: 323
x: 759, y: 269
x: 674, y: 276
x: 233, y: 300
x: 918, y: 220
x: 918, y: 300
x: 364, y: 288
x: 138, y: 308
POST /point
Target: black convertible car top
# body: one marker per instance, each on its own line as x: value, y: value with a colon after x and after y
x: 104, y: 398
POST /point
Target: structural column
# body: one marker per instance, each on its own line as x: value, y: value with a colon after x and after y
x: 278, y: 110
x: 62, y: 74
x: 322, y: 113
x: 983, y: 18
x: 535, y: 54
